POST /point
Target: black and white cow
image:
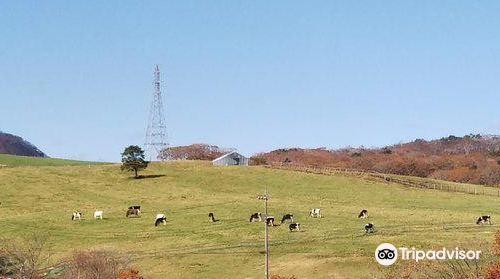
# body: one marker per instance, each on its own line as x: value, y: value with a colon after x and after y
x: 77, y: 215
x: 369, y: 228
x: 131, y: 212
x: 294, y: 227
x: 211, y: 217
x: 137, y: 207
x: 256, y: 217
x: 287, y: 218
x: 270, y: 221
x: 160, y: 219
x: 484, y: 219
x: 363, y: 214
x: 315, y: 213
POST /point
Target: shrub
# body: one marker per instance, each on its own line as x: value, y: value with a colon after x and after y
x: 258, y: 160
x: 493, y: 271
x: 130, y: 274
x: 95, y: 264
x: 386, y: 150
x: 23, y: 258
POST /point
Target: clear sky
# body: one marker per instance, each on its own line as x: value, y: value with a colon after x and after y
x: 75, y: 76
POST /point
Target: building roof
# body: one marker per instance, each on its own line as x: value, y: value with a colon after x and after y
x: 225, y: 155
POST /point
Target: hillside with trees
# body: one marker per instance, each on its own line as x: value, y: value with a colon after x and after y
x: 470, y: 159
x: 197, y: 151
x: 15, y: 145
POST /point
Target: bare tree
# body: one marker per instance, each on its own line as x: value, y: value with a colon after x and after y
x: 22, y: 259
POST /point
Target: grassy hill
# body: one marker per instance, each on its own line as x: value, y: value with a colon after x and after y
x: 40, y: 199
x: 16, y: 161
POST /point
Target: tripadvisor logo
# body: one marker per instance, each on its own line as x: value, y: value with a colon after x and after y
x: 387, y: 254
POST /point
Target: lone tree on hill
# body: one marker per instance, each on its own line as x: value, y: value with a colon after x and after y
x: 133, y: 159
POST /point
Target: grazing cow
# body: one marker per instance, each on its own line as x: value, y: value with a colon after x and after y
x: 98, y: 214
x: 76, y: 215
x: 256, y: 217
x: 211, y: 217
x: 160, y: 219
x: 138, y: 207
x: 369, y: 228
x: 363, y: 214
x: 287, y: 218
x: 294, y: 227
x: 270, y: 221
x: 315, y: 213
x: 484, y: 219
x: 133, y: 212
x: 160, y: 215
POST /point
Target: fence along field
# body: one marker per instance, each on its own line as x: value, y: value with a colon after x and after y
x: 409, y: 181
x: 40, y: 200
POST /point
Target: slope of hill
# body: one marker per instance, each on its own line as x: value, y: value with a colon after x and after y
x: 469, y: 159
x: 15, y: 145
x: 39, y: 200
x: 16, y: 161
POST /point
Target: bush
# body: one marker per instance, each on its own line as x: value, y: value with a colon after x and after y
x: 257, y: 160
x: 356, y: 154
x: 386, y: 150
x: 493, y: 271
x: 6, y: 266
x: 95, y: 264
x: 22, y: 259
x: 130, y: 274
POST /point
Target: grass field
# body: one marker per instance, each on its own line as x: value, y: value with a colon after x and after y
x: 16, y: 161
x: 40, y: 199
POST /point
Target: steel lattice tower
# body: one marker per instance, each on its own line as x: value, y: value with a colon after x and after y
x: 156, y: 134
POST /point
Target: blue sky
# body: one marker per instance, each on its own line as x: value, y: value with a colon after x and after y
x: 75, y: 76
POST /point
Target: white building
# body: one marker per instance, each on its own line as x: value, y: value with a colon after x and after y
x: 231, y: 159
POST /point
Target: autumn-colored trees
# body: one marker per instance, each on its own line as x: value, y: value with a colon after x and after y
x: 193, y: 152
x: 471, y: 159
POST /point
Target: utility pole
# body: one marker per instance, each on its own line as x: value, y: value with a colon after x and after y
x: 266, y: 236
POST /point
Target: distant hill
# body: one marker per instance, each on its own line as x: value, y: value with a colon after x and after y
x: 15, y: 145
x: 470, y: 159
x: 197, y: 151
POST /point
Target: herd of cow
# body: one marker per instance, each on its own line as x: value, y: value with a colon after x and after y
x: 161, y: 219
x: 315, y: 213
x: 132, y: 211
